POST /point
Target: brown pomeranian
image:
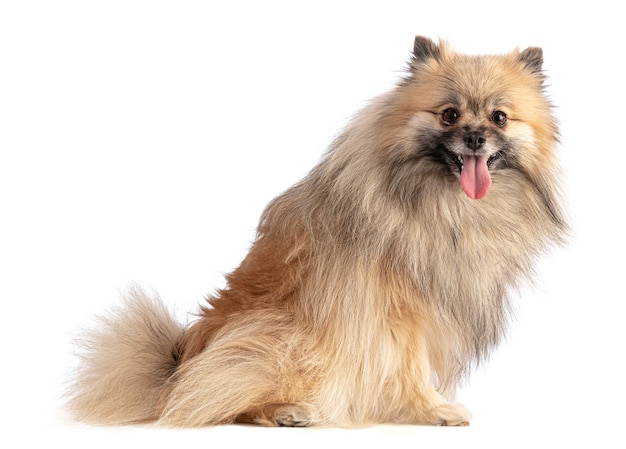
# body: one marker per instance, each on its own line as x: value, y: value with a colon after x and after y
x: 375, y: 284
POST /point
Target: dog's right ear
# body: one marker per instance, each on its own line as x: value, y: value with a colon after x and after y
x: 424, y: 49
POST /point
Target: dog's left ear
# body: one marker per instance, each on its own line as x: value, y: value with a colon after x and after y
x: 532, y: 58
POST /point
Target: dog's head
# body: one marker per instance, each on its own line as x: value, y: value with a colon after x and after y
x: 470, y: 116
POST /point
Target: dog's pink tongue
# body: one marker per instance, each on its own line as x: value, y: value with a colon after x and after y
x: 475, y: 178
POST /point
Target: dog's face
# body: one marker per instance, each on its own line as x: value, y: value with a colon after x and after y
x: 471, y: 116
x: 470, y: 142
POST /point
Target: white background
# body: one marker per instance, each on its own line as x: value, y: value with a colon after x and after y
x: 140, y: 141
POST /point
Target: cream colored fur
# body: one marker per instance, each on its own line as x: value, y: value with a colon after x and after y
x: 125, y: 362
x: 374, y: 285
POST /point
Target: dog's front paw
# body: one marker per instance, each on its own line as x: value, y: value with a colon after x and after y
x: 451, y: 415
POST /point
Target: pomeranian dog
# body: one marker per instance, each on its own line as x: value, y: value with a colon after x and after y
x: 375, y: 284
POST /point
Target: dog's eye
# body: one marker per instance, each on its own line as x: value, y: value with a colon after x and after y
x: 498, y: 118
x: 450, y: 115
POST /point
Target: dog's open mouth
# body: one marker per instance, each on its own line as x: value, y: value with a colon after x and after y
x: 474, y: 172
x: 459, y: 159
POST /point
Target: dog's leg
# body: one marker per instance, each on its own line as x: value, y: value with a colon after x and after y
x: 425, y: 405
x: 252, y: 373
x: 431, y: 408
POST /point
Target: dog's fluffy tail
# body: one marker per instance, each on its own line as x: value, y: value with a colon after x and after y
x: 125, y: 363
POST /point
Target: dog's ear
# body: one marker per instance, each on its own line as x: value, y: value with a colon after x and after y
x: 424, y: 49
x: 532, y: 58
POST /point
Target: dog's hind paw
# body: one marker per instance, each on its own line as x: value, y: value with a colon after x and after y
x: 283, y: 415
x: 291, y: 416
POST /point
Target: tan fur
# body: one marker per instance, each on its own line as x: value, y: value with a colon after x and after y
x: 374, y: 285
x: 125, y: 362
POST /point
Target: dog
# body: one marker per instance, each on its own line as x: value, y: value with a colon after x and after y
x: 374, y: 285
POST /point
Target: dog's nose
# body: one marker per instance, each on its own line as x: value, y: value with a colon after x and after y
x: 474, y: 140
